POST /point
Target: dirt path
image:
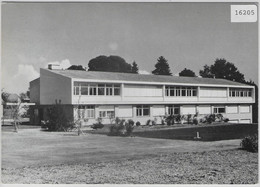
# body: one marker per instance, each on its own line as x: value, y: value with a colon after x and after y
x: 32, y: 147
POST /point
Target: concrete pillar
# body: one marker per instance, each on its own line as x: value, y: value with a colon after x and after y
x: 151, y: 110
x: 163, y: 92
x: 134, y: 111
x: 96, y: 112
x: 116, y: 110
x: 122, y: 91
x: 198, y: 93
x: 166, y: 109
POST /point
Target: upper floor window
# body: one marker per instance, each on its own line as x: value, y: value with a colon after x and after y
x: 180, y: 91
x: 235, y: 92
x: 83, y: 88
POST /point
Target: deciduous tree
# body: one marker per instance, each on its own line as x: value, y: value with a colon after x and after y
x: 187, y: 73
x: 110, y: 64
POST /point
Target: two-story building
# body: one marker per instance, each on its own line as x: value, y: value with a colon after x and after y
x: 88, y: 94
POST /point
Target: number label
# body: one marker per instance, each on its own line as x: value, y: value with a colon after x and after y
x: 243, y: 13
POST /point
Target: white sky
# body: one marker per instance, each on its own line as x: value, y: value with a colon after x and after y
x: 188, y: 35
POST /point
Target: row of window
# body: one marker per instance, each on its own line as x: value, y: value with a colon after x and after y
x: 88, y: 111
x: 83, y: 88
x: 240, y: 93
x: 181, y: 91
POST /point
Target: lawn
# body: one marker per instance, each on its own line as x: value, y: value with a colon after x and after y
x: 35, y: 156
x: 207, y: 132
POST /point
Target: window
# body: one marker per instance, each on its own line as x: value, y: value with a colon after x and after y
x: 219, y: 110
x: 173, y: 110
x: 84, y: 88
x: 109, y: 89
x: 116, y: 89
x: 86, y: 111
x: 142, y: 110
x: 101, y: 89
x: 107, y: 114
x: 92, y: 90
x: 181, y: 91
x: 240, y: 93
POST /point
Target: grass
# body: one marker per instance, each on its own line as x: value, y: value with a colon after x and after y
x: 212, y: 167
x: 209, y: 132
x: 35, y: 156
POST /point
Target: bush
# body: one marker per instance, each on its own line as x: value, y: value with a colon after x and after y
x: 195, y: 121
x: 170, y: 120
x: 57, y: 120
x: 250, y: 143
x: 121, y: 128
x: 137, y: 123
x: 98, y: 125
x: 148, y: 122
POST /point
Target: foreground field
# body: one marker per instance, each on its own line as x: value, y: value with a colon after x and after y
x: 213, y: 167
x: 35, y: 156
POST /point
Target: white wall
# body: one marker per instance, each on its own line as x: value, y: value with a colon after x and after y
x: 35, y: 91
x: 54, y: 87
x: 125, y: 111
x: 232, y: 109
x: 188, y: 110
x: 244, y: 109
x: 213, y: 92
x: 204, y: 109
x: 142, y: 90
x: 158, y: 110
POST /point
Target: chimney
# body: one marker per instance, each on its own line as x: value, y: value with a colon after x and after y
x: 53, y: 66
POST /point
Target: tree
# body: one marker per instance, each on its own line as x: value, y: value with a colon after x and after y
x: 134, y: 68
x: 223, y: 69
x: 12, y: 107
x: 254, y: 105
x: 187, y: 73
x: 76, y: 67
x: 162, y: 67
x: 206, y: 72
x: 110, y: 64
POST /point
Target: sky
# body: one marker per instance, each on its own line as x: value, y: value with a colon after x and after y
x: 188, y: 35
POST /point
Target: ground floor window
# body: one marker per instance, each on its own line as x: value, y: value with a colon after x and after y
x: 142, y: 110
x: 107, y: 114
x: 173, y: 110
x: 86, y: 111
x: 219, y: 110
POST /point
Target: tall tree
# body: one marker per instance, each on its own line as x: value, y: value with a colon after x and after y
x: 187, y: 73
x: 76, y: 67
x: 254, y: 105
x: 206, y: 72
x: 110, y: 64
x: 162, y: 67
x: 223, y: 69
x: 134, y: 68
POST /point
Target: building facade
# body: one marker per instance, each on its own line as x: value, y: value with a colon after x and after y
x: 92, y: 95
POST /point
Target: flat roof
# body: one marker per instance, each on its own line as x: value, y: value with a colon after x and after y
x: 114, y: 76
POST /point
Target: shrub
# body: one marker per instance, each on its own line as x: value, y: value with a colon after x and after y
x: 179, y: 118
x: 170, y: 120
x: 129, y: 126
x: 226, y: 120
x: 57, y: 120
x: 154, y: 121
x: 189, y: 118
x: 137, y: 123
x: 148, y: 122
x: 121, y: 128
x: 195, y: 121
x: 250, y: 143
x: 98, y: 125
